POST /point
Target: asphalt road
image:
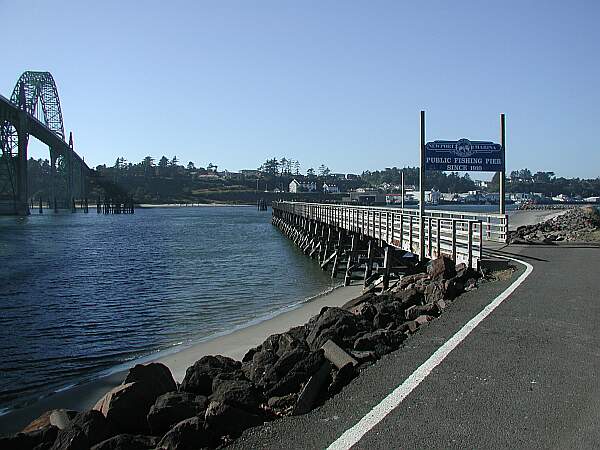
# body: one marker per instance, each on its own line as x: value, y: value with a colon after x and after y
x: 526, y: 377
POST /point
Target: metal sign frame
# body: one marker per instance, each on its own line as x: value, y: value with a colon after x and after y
x: 469, y: 155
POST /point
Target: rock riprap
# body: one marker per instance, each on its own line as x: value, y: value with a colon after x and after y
x: 578, y: 224
x: 289, y: 373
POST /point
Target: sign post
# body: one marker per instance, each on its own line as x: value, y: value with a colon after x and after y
x: 422, y: 192
x: 503, y: 171
x: 459, y: 156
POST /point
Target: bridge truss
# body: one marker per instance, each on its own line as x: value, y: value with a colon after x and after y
x: 34, y: 109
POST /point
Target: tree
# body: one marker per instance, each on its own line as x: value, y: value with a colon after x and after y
x: 163, y: 162
x: 310, y: 172
x: 284, y: 165
x: 119, y: 163
x: 148, y: 161
x: 525, y: 175
x: 174, y: 161
x: 270, y: 167
x: 324, y: 170
x: 190, y: 166
x: 543, y: 177
x: 296, y: 167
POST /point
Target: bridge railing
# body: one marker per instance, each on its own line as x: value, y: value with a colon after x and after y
x: 456, y: 234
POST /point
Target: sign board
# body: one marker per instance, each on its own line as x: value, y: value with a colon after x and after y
x: 464, y: 156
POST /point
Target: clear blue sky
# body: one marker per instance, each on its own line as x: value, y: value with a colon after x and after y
x: 339, y: 83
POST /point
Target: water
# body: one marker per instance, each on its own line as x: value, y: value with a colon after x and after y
x: 82, y: 293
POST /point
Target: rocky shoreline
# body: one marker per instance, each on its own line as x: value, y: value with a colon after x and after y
x: 288, y: 374
x: 575, y: 225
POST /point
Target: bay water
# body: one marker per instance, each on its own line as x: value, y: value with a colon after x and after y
x: 81, y: 294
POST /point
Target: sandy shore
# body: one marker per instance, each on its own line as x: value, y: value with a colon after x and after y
x: 189, y: 205
x: 235, y: 345
x: 531, y: 217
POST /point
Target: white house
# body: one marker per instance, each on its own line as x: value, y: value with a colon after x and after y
x: 296, y: 186
x: 330, y: 188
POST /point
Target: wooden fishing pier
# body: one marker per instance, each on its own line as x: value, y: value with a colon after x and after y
x: 376, y: 244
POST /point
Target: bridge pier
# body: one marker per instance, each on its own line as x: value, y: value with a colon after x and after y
x: 21, y: 200
x: 347, y: 250
x: 53, y: 177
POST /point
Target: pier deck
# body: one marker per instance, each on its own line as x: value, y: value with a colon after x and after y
x: 375, y: 240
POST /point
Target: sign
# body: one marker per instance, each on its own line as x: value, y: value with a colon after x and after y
x: 464, y: 156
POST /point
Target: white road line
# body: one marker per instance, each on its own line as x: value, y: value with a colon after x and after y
x: 388, y: 404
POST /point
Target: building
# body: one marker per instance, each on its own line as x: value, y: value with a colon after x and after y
x: 295, y: 186
x: 366, y: 197
x: 330, y: 188
x: 562, y: 198
x: 226, y: 174
x: 251, y: 173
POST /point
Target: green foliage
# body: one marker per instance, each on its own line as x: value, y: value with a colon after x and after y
x: 444, y: 182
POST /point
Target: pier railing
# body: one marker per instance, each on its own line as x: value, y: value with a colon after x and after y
x: 456, y: 234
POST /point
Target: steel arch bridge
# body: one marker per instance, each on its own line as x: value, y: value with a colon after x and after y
x: 34, y: 109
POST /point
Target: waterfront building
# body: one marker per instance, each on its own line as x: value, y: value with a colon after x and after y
x: 330, y: 188
x: 295, y: 186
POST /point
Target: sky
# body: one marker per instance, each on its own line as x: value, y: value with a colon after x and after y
x: 325, y: 82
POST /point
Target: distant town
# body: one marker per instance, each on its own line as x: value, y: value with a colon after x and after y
x: 170, y: 181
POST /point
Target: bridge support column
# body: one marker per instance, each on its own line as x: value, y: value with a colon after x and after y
x: 70, y: 187
x: 53, y: 178
x: 21, y: 201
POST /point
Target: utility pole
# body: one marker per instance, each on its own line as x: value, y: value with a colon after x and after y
x: 422, y: 192
x: 503, y: 172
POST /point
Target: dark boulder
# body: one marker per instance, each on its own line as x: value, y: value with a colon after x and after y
x: 173, y: 407
x: 434, y: 291
x: 471, y: 284
x: 199, y: 377
x: 239, y: 393
x: 407, y: 280
x: 155, y: 376
x: 189, y: 434
x: 224, y: 419
x: 85, y: 430
x: 365, y: 310
x: 281, y: 367
x: 409, y: 296
x: 441, y: 268
x: 363, y: 356
x: 43, y: 437
x: 301, y: 371
x: 127, y: 406
x: 285, y: 402
x: 340, y: 379
x: 382, y: 320
x: 259, y: 365
x: 453, y: 288
x: 336, y: 324
x: 376, y: 341
x: 127, y: 442
x: 292, y: 339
